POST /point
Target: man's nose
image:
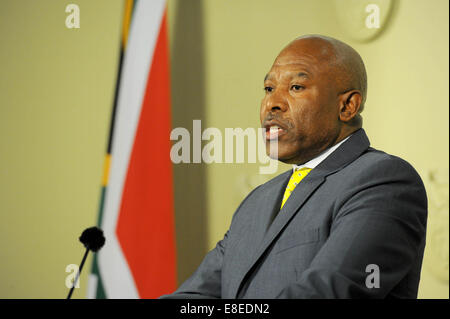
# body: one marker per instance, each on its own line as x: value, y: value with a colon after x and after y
x: 276, y: 103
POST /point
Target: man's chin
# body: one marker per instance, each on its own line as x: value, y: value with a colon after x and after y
x: 281, y: 156
x: 287, y: 160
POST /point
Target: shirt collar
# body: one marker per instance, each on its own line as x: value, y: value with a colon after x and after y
x: 319, y: 158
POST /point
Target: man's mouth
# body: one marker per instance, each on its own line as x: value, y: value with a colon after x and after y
x: 274, y: 131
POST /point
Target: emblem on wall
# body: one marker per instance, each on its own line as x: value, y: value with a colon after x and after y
x: 363, y: 20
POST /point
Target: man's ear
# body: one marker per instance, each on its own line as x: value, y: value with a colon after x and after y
x: 349, y: 105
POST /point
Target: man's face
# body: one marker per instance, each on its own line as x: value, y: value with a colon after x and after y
x: 302, y: 100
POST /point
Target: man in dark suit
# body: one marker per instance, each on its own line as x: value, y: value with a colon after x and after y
x: 348, y: 221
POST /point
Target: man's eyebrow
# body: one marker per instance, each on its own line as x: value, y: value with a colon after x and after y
x: 303, y: 75
x: 300, y: 74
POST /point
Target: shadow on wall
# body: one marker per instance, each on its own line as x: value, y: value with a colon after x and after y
x: 188, y: 103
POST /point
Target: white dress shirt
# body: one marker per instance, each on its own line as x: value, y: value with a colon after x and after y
x: 319, y: 158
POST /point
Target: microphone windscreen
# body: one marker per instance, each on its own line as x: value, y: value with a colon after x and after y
x: 92, y: 238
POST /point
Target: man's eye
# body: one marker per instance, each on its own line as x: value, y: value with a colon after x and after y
x: 268, y: 89
x: 296, y: 87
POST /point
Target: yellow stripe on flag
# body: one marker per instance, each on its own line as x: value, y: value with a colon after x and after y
x: 126, y: 21
x: 106, y: 166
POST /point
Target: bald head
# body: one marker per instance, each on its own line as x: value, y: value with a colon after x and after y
x: 344, y: 64
x: 315, y: 91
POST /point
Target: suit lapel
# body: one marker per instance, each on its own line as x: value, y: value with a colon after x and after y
x: 268, y: 208
x: 298, y: 197
x: 272, y: 202
x: 345, y: 154
x: 269, y: 230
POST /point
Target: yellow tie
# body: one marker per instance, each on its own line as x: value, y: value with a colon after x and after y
x: 296, y: 177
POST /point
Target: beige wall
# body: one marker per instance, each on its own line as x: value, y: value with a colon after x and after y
x: 57, y: 86
x: 56, y: 92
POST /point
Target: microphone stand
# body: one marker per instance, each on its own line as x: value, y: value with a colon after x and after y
x: 78, y: 274
x: 93, y: 239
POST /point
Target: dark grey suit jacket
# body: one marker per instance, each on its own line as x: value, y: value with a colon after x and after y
x: 359, y: 207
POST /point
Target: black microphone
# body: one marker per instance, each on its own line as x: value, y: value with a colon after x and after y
x: 93, y: 239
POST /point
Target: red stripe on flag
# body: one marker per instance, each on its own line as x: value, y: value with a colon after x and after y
x: 145, y: 227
